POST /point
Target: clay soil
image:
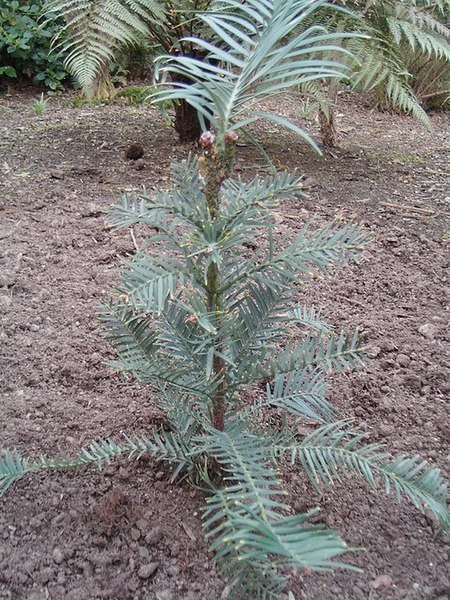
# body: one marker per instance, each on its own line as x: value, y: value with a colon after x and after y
x: 127, y: 532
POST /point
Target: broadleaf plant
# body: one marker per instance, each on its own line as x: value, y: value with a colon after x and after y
x: 206, y: 320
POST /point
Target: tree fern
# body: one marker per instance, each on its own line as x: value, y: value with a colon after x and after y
x: 390, y: 30
x: 96, y: 28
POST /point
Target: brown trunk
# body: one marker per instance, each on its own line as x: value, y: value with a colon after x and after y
x: 102, y: 87
x: 328, y: 128
x: 218, y: 409
x: 186, y: 122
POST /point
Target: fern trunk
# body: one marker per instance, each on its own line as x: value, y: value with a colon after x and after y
x: 327, y: 124
x: 186, y: 122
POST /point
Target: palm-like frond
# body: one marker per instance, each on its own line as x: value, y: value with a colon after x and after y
x: 333, y: 451
x: 97, y: 27
x: 251, y: 63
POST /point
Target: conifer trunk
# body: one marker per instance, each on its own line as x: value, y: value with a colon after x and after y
x: 215, y: 166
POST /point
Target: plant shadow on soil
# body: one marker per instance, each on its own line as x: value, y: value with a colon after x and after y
x: 127, y: 532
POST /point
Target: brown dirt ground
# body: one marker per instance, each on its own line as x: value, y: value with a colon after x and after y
x: 85, y: 536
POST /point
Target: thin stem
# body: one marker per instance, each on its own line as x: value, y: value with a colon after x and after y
x: 216, y: 164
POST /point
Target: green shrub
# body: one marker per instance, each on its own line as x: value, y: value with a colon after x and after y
x: 25, y: 43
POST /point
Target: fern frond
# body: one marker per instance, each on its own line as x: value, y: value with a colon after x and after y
x: 97, y: 28
x: 422, y: 19
x: 401, y: 96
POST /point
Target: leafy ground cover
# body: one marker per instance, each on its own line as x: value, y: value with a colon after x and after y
x: 128, y: 532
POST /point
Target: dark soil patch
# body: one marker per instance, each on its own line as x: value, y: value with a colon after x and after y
x: 127, y: 532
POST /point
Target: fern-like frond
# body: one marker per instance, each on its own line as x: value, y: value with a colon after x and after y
x: 136, y: 339
x: 133, y: 336
x: 262, y: 312
x: 162, y: 447
x: 96, y: 28
x: 302, y: 394
x: 318, y: 251
x: 237, y: 196
x: 336, y: 352
x: 151, y: 280
x: 185, y: 204
x: 247, y: 524
x: 310, y: 317
x: 333, y: 451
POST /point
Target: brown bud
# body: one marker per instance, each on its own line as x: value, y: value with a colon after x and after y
x: 207, y: 139
x: 231, y: 137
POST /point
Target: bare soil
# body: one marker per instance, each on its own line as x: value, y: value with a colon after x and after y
x: 127, y: 532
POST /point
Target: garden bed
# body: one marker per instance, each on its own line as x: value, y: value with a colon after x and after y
x: 128, y: 532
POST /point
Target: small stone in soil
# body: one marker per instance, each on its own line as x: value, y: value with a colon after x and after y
x: 403, y: 360
x: 143, y: 552
x: 413, y: 382
x: 386, y: 430
x: 133, y: 584
x: 428, y: 330
x: 36, y: 596
x: 134, y: 151
x: 142, y: 524
x: 374, y: 352
x: 146, y: 571
x: 57, y: 556
x: 154, y: 536
x: 382, y: 582
x: 164, y: 595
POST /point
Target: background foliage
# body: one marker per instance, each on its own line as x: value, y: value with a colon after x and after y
x: 25, y: 44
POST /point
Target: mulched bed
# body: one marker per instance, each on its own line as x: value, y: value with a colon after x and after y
x: 127, y: 532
